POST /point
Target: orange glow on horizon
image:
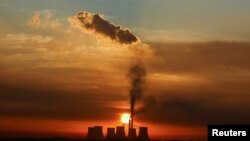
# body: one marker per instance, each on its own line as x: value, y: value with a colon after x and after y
x: 66, y: 128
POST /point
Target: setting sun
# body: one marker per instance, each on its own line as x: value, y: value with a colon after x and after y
x: 125, y: 118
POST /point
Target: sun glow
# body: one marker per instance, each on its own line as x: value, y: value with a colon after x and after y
x: 125, y: 118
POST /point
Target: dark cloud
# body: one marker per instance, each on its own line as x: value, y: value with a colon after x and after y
x: 52, y: 105
x: 201, y: 57
x: 38, y: 97
x: 201, y: 109
x: 221, y: 93
x: 94, y: 22
x: 147, y: 102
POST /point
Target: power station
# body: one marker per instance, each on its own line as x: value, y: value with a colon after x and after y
x: 115, y: 134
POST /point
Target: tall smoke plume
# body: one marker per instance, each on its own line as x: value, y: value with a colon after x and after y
x: 137, y: 74
x: 94, y: 23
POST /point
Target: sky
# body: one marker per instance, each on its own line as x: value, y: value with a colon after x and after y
x: 58, y: 78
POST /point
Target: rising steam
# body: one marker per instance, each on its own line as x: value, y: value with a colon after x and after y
x: 92, y: 22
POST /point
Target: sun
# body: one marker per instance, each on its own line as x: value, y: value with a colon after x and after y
x: 125, y: 118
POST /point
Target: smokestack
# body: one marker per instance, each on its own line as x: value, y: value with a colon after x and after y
x: 110, y: 133
x: 120, y: 132
x: 131, y: 121
x: 132, y: 134
x: 143, y: 134
x: 130, y: 124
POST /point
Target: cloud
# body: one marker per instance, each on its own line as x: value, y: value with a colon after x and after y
x: 26, y: 38
x: 44, y: 19
x: 91, y: 22
x: 35, y: 20
x: 29, y: 95
x: 201, y: 57
x: 209, y: 84
x: 43, y: 78
x: 185, y: 108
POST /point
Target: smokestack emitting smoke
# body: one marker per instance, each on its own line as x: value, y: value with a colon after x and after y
x: 137, y: 74
x: 95, y: 23
x: 92, y: 22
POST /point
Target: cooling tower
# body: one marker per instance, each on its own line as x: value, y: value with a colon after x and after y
x: 120, y: 132
x: 98, y: 133
x: 132, y: 134
x: 90, y: 135
x: 110, y: 133
x: 143, y: 134
x: 95, y: 133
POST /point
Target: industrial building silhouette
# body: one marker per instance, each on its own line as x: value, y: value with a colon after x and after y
x: 96, y: 134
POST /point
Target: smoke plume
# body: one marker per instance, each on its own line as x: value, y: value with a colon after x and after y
x: 96, y: 23
x: 137, y: 74
x: 149, y: 102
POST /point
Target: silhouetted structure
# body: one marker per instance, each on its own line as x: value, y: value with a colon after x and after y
x: 110, y: 133
x: 143, y: 134
x: 90, y: 134
x: 132, y: 134
x: 98, y: 133
x: 131, y: 121
x: 120, y: 132
x: 95, y: 133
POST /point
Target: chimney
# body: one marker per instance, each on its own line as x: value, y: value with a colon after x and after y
x: 132, y: 134
x: 110, y: 133
x: 143, y: 134
x: 120, y: 132
x: 90, y: 135
x: 131, y: 121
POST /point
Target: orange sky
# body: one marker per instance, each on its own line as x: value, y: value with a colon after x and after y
x: 59, y: 80
x: 19, y: 127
